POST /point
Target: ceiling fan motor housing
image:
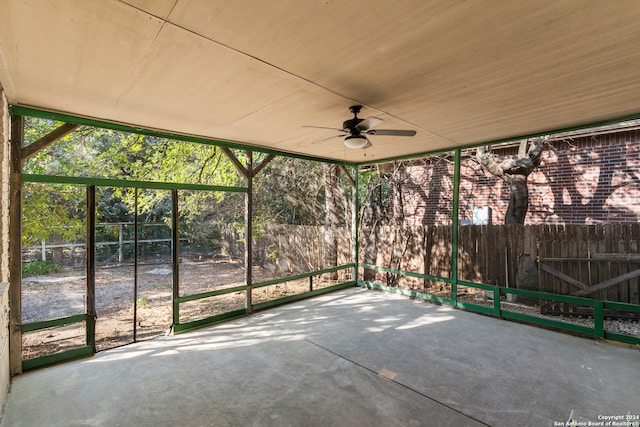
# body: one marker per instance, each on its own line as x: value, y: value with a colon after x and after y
x: 350, y: 125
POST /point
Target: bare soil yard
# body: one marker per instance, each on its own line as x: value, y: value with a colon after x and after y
x: 63, y: 294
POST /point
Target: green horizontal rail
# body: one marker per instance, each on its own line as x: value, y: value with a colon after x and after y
x: 628, y: 339
x: 509, y: 139
x: 596, y: 331
x: 67, y: 118
x: 548, y: 322
x: 305, y: 295
x: 405, y: 273
x: 209, y: 294
x: 18, y: 110
x: 65, y: 356
x: 621, y: 306
x: 484, y: 286
x: 35, y: 326
x: 544, y: 295
x: 208, y: 321
x: 105, y: 182
x: 475, y: 307
x: 406, y: 292
x: 302, y: 275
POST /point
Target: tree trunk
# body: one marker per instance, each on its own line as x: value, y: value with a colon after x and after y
x: 518, y: 200
x: 57, y: 253
x: 514, y: 171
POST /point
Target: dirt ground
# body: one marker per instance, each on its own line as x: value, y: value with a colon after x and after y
x: 118, y: 318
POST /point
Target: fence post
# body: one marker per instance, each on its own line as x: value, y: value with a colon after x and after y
x: 120, y: 243
x: 43, y: 247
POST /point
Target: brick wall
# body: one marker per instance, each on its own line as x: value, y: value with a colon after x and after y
x: 4, y: 187
x: 4, y: 248
x: 586, y: 180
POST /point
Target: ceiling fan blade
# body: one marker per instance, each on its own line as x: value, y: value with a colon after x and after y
x: 391, y: 132
x: 326, y: 139
x: 368, y: 123
x: 323, y: 127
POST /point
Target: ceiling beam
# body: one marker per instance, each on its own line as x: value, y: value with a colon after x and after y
x: 243, y: 170
x: 47, y: 139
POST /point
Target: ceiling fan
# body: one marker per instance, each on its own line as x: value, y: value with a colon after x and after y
x: 354, y: 130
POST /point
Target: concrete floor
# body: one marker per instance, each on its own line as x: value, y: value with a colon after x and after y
x: 349, y: 358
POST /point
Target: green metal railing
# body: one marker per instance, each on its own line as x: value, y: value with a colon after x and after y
x: 187, y: 326
x: 178, y: 327
x: 63, y: 356
x: 596, y: 331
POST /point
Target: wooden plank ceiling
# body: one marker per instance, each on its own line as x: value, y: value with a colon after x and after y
x: 457, y: 72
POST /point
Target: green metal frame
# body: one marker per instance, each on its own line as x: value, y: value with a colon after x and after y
x: 89, y: 348
x: 302, y: 275
x: 105, y: 182
x: 509, y: 139
x: 38, y: 362
x: 454, y: 226
x: 67, y: 118
x: 207, y: 321
x: 42, y: 361
x: 62, y: 321
x: 292, y: 298
x: 406, y: 273
x: 597, y: 331
x: 17, y: 110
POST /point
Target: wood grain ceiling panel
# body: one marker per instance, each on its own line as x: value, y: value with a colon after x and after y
x: 72, y: 59
x: 457, y: 72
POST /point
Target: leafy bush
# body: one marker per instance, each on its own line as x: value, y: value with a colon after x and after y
x: 37, y: 268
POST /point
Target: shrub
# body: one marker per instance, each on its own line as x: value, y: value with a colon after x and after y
x: 37, y: 268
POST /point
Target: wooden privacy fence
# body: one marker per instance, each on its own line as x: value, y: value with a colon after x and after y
x: 600, y: 262
x: 595, y: 261
x: 283, y: 249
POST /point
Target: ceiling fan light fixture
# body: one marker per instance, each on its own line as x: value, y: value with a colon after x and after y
x: 356, y: 141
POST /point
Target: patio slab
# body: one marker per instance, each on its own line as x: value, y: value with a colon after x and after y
x: 350, y: 358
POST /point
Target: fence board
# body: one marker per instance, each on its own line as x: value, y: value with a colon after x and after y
x: 589, y: 254
x: 633, y: 283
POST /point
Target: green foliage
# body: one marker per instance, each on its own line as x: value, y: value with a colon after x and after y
x: 287, y: 190
x: 38, y: 268
x: 58, y: 212
x: 290, y: 191
x: 374, y: 189
x: 142, y: 302
x: 52, y: 211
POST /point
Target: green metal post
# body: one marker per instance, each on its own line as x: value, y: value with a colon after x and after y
x: 175, y: 257
x: 598, y: 319
x: 355, y: 225
x: 135, y: 264
x: 454, y: 227
x: 248, y: 234
x: 91, y: 267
